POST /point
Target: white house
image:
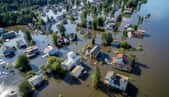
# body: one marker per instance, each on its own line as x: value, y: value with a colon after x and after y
x: 117, y: 81
x: 72, y: 60
x: 51, y: 51
x: 36, y: 80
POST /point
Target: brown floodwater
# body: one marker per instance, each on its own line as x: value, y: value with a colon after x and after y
x: 153, y: 79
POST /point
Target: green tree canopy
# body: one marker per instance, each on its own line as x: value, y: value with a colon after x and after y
x: 22, y: 63
x: 54, y: 64
x: 54, y: 38
x: 95, y: 78
x: 61, y: 28
x: 25, y: 89
x: 107, y: 38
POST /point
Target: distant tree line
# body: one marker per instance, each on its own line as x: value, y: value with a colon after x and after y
x: 10, y: 5
x: 19, y: 12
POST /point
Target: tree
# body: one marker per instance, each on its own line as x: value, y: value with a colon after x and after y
x: 95, y: 78
x: 132, y: 58
x: 83, y: 17
x: 135, y: 27
x: 119, y: 18
x: 25, y: 89
x: 54, y: 64
x: 125, y: 33
x: 124, y: 44
x: 93, y: 41
x: 106, y: 38
x: 72, y: 19
x: 60, y: 95
x: 54, y: 39
x: 74, y: 36
x: 61, y: 28
x: 22, y: 63
x: 94, y: 23
x: 28, y: 37
x: 100, y: 21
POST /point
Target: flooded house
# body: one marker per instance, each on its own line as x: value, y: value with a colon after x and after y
x: 130, y: 29
x: 77, y: 71
x: 116, y: 80
x: 82, y: 31
x: 9, y: 35
x: 71, y: 61
x: 9, y: 52
x: 63, y: 41
x: 109, y: 24
x: 94, y: 52
x: 138, y: 33
x: 32, y: 51
x: 36, y: 80
x: 51, y: 51
x: 128, y: 10
x: 21, y: 44
x: 122, y: 62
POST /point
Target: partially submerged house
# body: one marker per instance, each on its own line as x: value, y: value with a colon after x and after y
x: 128, y: 10
x: 95, y: 51
x: 32, y: 51
x: 77, y: 71
x: 9, y: 52
x: 122, y: 62
x: 36, y: 80
x: 21, y: 44
x: 51, y: 51
x: 138, y: 33
x: 109, y: 24
x: 72, y: 60
x: 63, y: 41
x: 117, y: 81
x: 9, y: 35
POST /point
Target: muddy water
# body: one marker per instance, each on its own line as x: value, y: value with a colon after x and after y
x: 152, y: 80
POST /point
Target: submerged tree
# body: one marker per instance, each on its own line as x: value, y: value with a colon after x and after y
x: 95, y: 78
x: 107, y: 38
x: 22, y: 63
x: 61, y: 28
x: 54, y: 65
x: 28, y: 37
x: 54, y: 38
x: 25, y: 89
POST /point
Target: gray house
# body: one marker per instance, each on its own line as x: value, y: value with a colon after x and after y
x: 95, y: 51
x: 9, y: 35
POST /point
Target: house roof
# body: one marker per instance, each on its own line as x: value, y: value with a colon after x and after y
x: 115, y: 79
x: 31, y: 48
x: 95, y: 49
x: 35, y: 80
x: 77, y: 71
x: 120, y: 59
x: 72, y: 59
